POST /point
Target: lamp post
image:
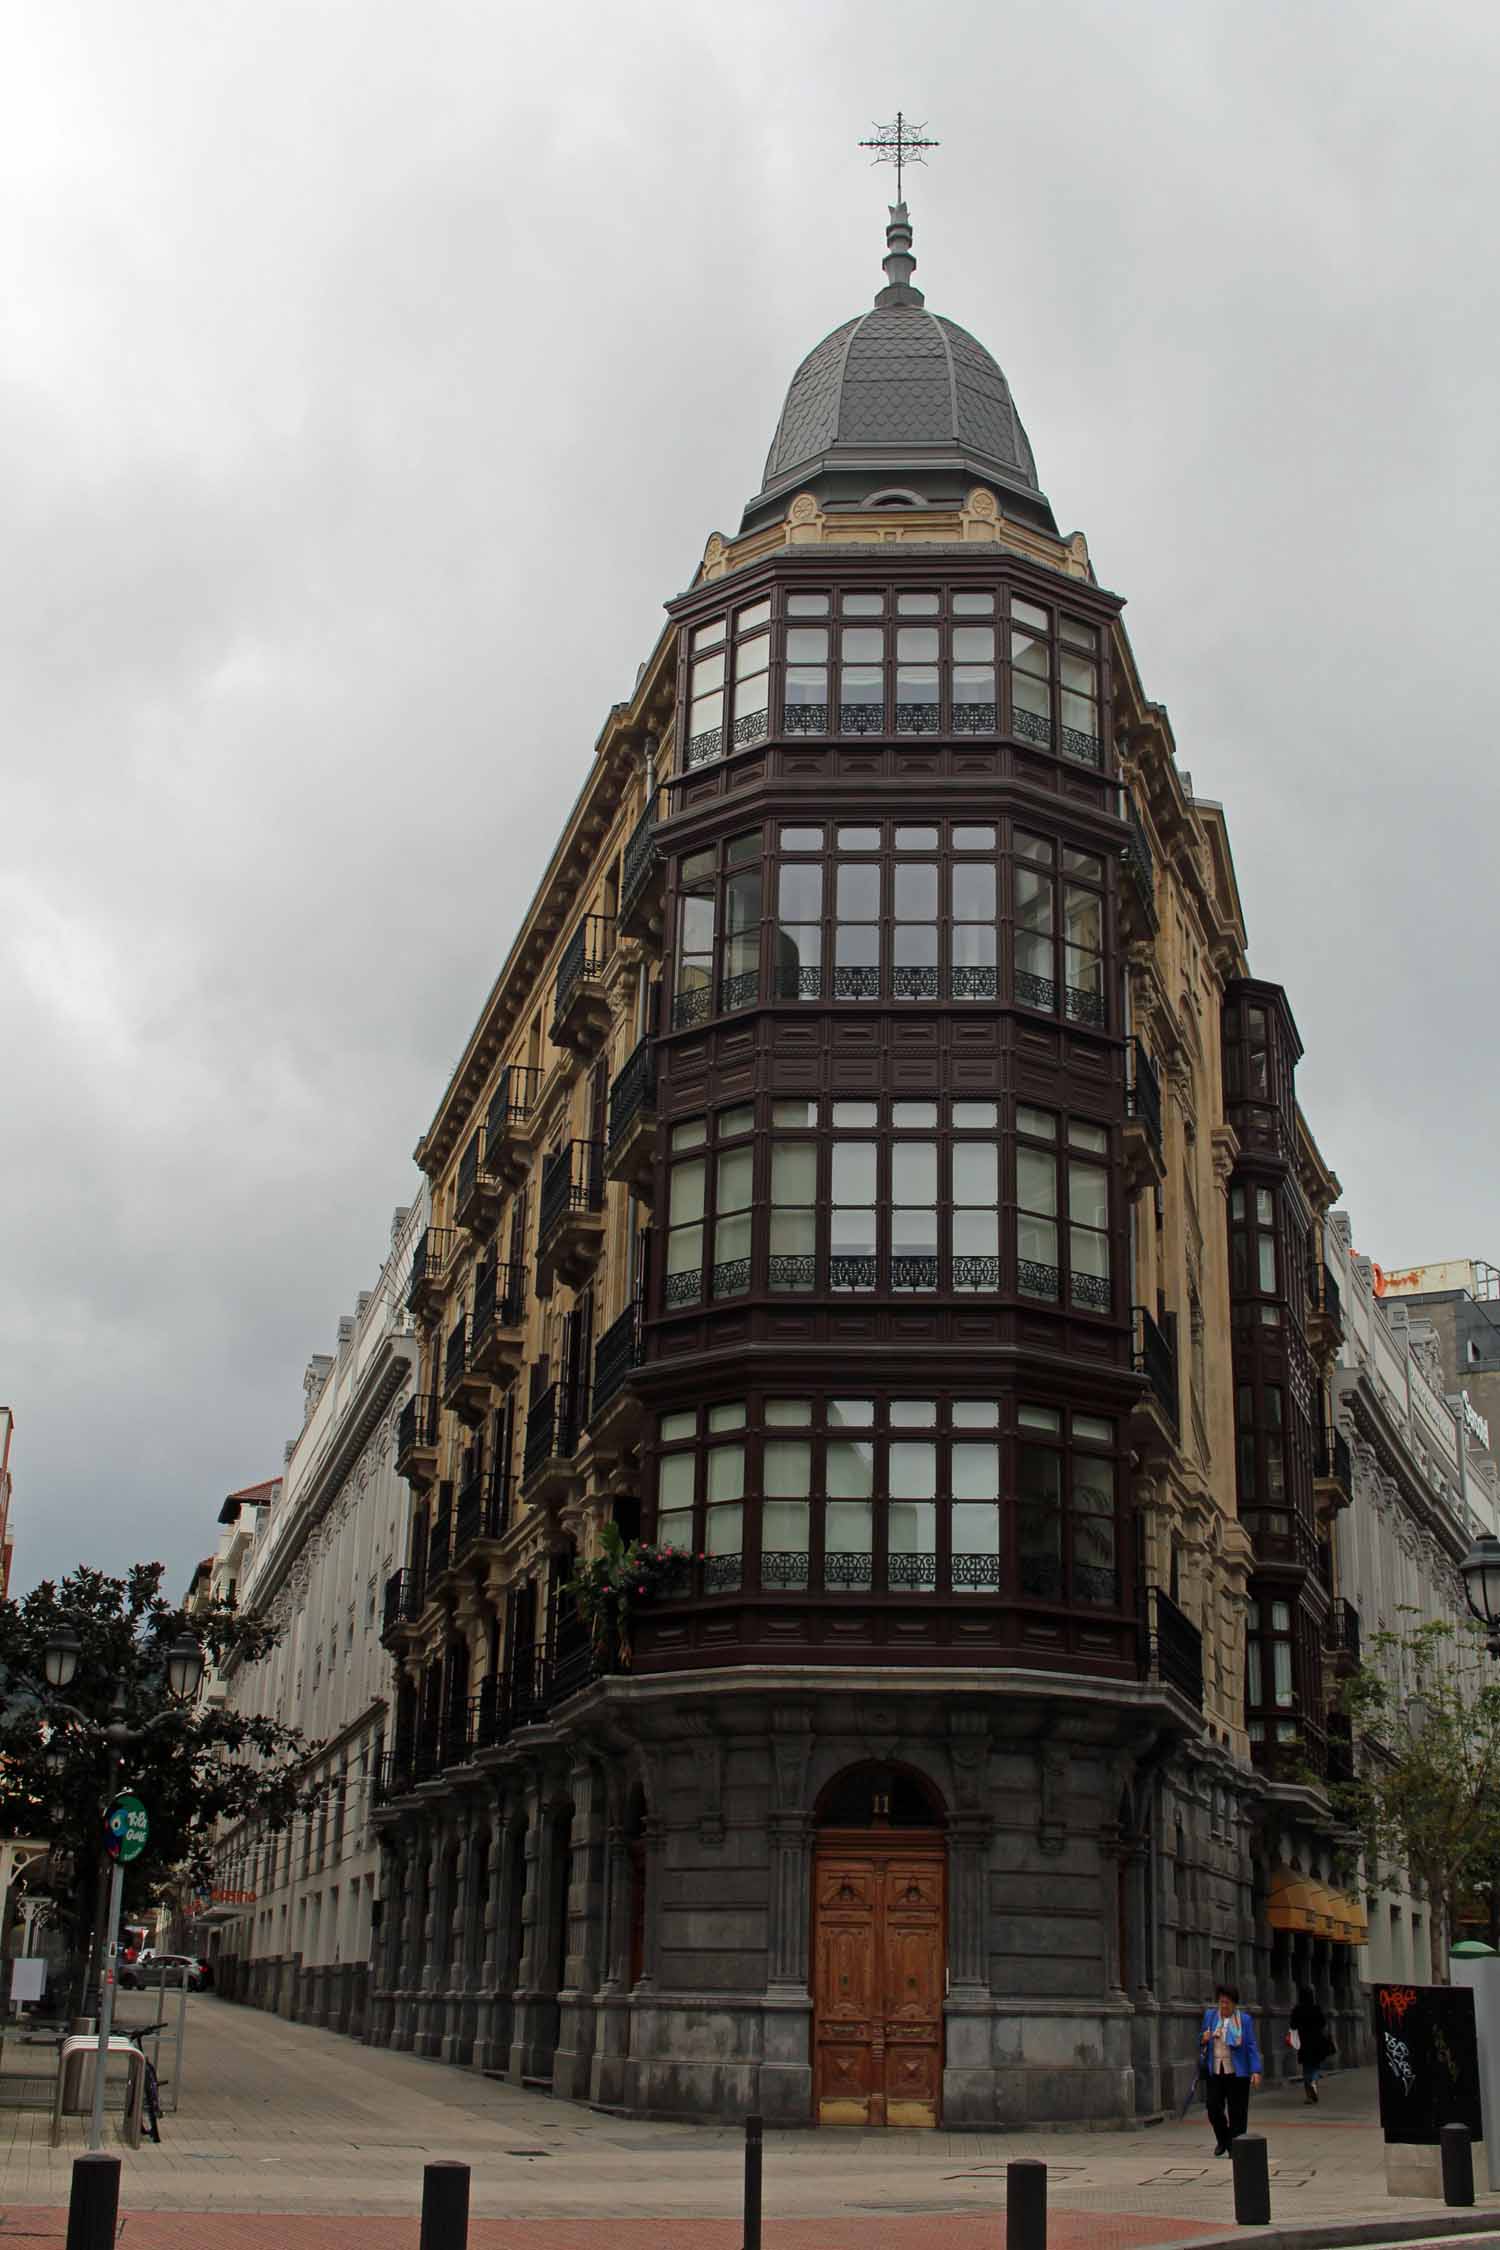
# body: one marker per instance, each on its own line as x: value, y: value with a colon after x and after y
x: 1480, y: 1569
x: 184, y: 1677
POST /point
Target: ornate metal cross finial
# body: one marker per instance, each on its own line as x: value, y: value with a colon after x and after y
x: 899, y: 144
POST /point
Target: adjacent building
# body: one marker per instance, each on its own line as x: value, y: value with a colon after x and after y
x: 7, y: 1541
x: 293, y: 1912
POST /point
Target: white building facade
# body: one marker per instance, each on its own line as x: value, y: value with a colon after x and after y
x: 295, y: 1911
x: 1422, y: 1491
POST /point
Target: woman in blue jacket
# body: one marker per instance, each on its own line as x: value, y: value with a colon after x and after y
x: 1230, y: 2061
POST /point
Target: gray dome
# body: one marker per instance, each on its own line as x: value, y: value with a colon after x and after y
x: 899, y: 399
x: 901, y: 377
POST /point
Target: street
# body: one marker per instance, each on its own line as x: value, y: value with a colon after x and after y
x: 312, y: 2138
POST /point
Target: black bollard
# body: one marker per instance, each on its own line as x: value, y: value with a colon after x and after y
x: 1026, y: 2205
x: 1252, y: 2180
x: 754, y: 2152
x: 95, y: 2202
x: 1458, y: 2165
x: 445, y: 2207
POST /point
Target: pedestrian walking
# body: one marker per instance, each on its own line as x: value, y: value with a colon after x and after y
x: 1309, y: 2041
x: 1231, y: 2063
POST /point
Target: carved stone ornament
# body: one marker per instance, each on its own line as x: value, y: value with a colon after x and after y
x: 978, y: 502
x: 804, y: 509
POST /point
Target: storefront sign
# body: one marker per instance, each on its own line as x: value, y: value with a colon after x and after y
x: 1476, y: 1424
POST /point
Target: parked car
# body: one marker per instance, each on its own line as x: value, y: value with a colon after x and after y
x: 165, y: 1969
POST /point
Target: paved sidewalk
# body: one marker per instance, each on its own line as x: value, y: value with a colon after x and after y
x: 320, y: 2143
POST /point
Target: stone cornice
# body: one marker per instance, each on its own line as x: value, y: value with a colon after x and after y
x: 1427, y: 1509
x: 617, y: 760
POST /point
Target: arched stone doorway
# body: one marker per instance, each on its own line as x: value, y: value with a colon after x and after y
x: 879, y: 1947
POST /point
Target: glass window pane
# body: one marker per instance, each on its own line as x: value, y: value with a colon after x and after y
x: 912, y: 1473
x: 788, y: 1411
x: 1027, y: 613
x: 1039, y: 1123
x: 974, y: 644
x: 1266, y: 1259
x: 802, y: 839
x: 850, y: 1413
x: 799, y: 891
x: 1281, y: 1657
x: 973, y: 605
x: 807, y: 605
x: 916, y: 644
x: 976, y: 1472
x: 856, y: 1113
x: 849, y: 1469
x: 1033, y: 847
x: 1088, y: 1194
x: 858, y: 890
x: 973, y: 890
x: 916, y: 839
x: 726, y: 1472
x: 976, y: 1529
x: 794, y: 1113
x: 858, y: 839
x: 914, y: 1413
x: 708, y: 636
x: 676, y: 1426
x: 687, y: 1192
x: 976, y: 1172
x: 674, y: 1482
x: 863, y: 605
x: 915, y: 890
x: 861, y: 644
x: 1036, y: 1181
x: 976, y: 1414
x: 807, y: 644
x: 909, y: 1114
x: 853, y: 1171
x: 917, y: 605
x: 787, y: 1468
x: 976, y: 1113
x: 973, y: 839
x: 749, y: 620
x: 794, y: 1172
x: 910, y: 1529
x: 691, y: 1133
x: 1094, y: 1137
x: 708, y: 673
x: 752, y: 656
x: 725, y: 1530
x: 736, y: 1167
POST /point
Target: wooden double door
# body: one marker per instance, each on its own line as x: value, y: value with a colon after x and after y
x: 879, y: 1953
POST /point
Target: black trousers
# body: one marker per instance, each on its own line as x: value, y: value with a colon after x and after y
x: 1228, y: 2108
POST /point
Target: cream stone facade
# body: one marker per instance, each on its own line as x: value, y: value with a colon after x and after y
x: 293, y: 1913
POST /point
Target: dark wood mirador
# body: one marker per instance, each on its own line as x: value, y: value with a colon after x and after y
x: 893, y: 955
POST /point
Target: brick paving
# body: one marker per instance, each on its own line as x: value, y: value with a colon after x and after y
x: 217, y: 2230
x: 297, y: 2138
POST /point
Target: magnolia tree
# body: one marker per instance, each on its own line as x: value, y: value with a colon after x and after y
x: 192, y: 1764
x: 1425, y: 1707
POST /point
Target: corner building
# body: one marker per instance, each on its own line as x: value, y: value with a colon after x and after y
x: 836, y: 1186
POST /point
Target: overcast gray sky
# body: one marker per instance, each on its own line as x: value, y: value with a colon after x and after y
x: 370, y: 374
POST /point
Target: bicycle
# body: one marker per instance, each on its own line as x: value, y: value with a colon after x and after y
x: 151, y: 2089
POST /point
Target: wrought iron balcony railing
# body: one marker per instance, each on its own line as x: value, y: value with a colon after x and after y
x: 1143, y: 1095
x: 456, y: 1354
x: 499, y: 1301
x: 641, y: 859
x: 1155, y: 1357
x: 482, y: 1510
x: 583, y: 958
x: 467, y: 1190
x: 1334, y: 1464
x: 1140, y: 865
x: 403, y: 1599
x: 551, y: 1428
x: 1323, y: 1293
x: 617, y: 1354
x: 1342, y: 1634
x: 439, y: 1545
x: 429, y: 1263
x: 511, y: 1103
x: 572, y: 1180
x: 633, y: 1094
x: 1173, y: 1651
x: 416, y: 1429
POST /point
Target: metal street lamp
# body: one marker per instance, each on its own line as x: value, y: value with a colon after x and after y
x: 1481, y: 1576
x: 184, y: 1668
x: 60, y: 1656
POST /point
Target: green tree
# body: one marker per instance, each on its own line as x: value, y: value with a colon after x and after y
x: 197, y: 1764
x: 1425, y: 1710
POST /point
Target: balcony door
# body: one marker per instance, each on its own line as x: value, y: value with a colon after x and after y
x: 879, y: 1957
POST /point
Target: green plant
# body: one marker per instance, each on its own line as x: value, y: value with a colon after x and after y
x: 612, y: 1584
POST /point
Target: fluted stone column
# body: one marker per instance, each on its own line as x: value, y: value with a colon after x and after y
x: 393, y: 1880
x: 533, y: 2015
x: 612, y: 2013
x: 492, y: 2027
x: 968, y: 2012
x: 434, y: 1968
x: 409, y: 1969
x: 583, y: 1942
x: 786, y: 2072
x: 458, y: 2039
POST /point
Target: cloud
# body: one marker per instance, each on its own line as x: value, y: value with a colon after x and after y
x: 372, y: 375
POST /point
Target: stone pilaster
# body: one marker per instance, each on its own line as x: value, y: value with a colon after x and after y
x: 584, y: 1909
x: 612, y: 2009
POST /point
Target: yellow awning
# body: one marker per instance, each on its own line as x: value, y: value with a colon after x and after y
x: 1298, y: 1903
